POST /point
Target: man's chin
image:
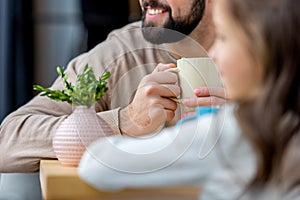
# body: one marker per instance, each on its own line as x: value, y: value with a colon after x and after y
x: 159, y: 35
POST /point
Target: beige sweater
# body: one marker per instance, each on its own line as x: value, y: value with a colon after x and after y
x: 26, y: 134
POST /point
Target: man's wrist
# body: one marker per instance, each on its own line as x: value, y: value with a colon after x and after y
x: 124, y: 121
x: 126, y: 124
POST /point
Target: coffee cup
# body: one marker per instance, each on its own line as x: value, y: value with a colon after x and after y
x: 194, y: 73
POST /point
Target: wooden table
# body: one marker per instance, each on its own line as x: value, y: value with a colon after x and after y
x: 61, y: 182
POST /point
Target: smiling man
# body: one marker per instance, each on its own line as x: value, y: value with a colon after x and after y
x: 185, y: 29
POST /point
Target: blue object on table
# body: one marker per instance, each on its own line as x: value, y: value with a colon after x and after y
x: 200, y: 111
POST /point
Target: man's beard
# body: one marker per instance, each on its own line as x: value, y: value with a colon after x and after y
x: 174, y: 29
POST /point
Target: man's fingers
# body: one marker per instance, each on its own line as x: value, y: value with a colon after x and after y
x: 158, y: 113
x: 170, y: 114
x: 169, y: 104
x: 161, y: 78
x: 165, y: 90
x: 162, y: 67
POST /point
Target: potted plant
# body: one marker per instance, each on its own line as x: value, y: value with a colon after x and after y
x: 82, y: 126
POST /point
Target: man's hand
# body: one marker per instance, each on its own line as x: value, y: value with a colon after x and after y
x: 151, y: 106
x: 205, y: 96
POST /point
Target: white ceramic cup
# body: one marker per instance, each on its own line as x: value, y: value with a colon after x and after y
x: 194, y: 73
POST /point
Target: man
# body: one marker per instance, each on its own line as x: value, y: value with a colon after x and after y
x: 137, y: 101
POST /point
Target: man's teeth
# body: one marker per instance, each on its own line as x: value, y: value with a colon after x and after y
x: 155, y: 11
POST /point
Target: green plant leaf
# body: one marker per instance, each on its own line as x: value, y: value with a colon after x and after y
x: 86, y: 91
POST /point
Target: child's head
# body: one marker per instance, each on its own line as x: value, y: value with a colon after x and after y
x: 257, y: 48
x: 232, y: 52
x: 258, y: 54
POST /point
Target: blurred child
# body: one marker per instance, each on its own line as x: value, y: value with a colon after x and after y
x: 250, y: 148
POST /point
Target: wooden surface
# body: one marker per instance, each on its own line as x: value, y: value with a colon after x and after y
x: 61, y: 182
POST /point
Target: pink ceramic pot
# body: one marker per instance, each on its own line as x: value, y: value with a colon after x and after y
x: 76, y: 133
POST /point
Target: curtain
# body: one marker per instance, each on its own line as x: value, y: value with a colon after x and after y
x: 16, y: 54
